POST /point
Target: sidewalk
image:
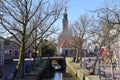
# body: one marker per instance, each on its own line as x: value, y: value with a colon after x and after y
x: 106, y: 70
x: 80, y: 72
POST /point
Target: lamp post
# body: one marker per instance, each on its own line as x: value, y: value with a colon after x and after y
x: 113, y: 66
x: 99, y: 70
x: 112, y: 63
x: 37, y: 54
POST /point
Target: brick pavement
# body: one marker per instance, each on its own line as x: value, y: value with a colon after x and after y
x: 106, y: 70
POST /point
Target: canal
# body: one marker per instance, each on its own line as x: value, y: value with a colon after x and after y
x: 57, y: 75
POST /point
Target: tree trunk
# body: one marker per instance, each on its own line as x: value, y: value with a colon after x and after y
x: 112, y: 68
x: 80, y: 57
x: 80, y: 60
x: 23, y: 53
x: 20, y: 62
x: 112, y: 71
x: 97, y: 57
x: 23, y: 65
x: 40, y: 48
x: 94, y: 65
x: 76, y: 59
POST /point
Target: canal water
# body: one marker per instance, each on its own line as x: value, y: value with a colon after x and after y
x: 57, y: 75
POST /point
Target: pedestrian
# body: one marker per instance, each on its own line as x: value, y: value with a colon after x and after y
x: 86, y: 65
x: 114, y: 65
x: 89, y: 59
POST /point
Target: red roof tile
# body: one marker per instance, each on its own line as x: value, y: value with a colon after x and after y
x: 68, y: 43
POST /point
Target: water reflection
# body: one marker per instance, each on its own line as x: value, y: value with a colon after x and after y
x: 53, y: 75
x: 57, y: 75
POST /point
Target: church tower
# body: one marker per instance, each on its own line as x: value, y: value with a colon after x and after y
x: 65, y: 42
x: 65, y: 32
x: 65, y: 21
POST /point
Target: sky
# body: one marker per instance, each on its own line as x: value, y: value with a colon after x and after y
x: 75, y: 8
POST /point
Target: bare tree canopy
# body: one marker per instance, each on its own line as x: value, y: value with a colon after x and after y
x: 31, y: 13
x: 21, y: 18
x: 80, y: 30
x: 108, y: 25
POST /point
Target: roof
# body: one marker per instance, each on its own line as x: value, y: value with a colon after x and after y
x: 67, y: 43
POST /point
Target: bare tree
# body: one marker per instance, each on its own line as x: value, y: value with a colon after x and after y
x: 23, y: 17
x: 80, y: 33
x: 38, y: 43
x: 109, y: 25
x: 97, y: 37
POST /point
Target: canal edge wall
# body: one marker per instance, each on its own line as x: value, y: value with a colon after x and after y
x: 37, y: 72
x: 43, y: 67
x: 79, y: 72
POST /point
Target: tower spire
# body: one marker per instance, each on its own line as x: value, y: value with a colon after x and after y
x: 65, y: 20
x: 65, y: 12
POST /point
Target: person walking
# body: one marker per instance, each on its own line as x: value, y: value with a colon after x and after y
x: 89, y: 59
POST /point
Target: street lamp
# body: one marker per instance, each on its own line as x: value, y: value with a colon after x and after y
x: 99, y: 70
x: 37, y: 58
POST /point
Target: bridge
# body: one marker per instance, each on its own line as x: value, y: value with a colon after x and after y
x: 53, y: 58
x: 60, y: 60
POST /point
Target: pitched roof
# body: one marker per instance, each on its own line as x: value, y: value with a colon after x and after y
x: 67, y: 43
